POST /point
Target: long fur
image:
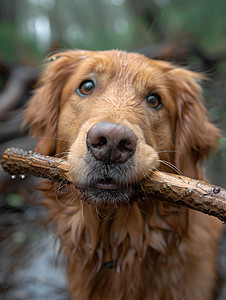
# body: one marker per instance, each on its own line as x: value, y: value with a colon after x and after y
x: 142, y: 249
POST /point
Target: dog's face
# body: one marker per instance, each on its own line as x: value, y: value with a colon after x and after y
x: 119, y: 116
x: 116, y: 121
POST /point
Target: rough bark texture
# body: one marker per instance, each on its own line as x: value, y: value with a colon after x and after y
x: 176, y: 189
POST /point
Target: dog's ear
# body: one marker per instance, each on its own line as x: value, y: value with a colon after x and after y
x: 41, y: 114
x: 195, y: 135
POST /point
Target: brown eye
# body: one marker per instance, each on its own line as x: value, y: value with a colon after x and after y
x: 86, y: 88
x: 154, y: 101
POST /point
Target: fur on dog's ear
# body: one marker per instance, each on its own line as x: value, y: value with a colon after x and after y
x: 195, y: 135
x: 41, y: 114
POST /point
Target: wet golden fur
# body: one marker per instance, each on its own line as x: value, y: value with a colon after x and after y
x: 158, y: 251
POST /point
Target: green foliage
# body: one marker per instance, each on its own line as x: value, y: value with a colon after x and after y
x: 19, y: 237
x: 15, y: 200
x: 222, y: 147
x: 204, y: 19
x: 16, y: 49
x: 8, y: 45
x: 37, y: 236
x: 37, y: 27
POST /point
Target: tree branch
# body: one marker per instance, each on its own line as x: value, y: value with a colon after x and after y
x: 176, y: 189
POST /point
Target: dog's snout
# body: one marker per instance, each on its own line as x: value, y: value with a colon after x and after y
x: 112, y: 143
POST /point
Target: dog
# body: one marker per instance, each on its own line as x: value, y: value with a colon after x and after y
x: 116, y: 117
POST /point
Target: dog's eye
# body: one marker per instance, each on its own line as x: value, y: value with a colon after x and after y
x: 86, y: 88
x: 154, y: 101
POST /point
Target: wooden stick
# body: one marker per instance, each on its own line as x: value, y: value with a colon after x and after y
x: 18, y: 162
x: 176, y: 189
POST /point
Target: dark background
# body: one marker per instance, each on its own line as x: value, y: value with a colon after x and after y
x: 187, y: 32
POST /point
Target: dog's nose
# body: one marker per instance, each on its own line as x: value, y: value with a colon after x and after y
x: 112, y: 143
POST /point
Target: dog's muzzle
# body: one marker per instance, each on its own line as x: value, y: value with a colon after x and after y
x: 110, y: 147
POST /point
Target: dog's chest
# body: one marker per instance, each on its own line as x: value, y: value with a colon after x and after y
x: 130, y: 254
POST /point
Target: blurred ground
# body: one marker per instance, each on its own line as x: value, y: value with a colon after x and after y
x: 30, y: 267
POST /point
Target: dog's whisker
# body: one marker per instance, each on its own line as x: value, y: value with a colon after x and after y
x: 185, y: 296
x: 82, y: 211
x: 75, y: 199
x: 59, y: 154
x: 42, y: 178
x: 167, y: 151
x: 54, y: 138
x: 126, y: 215
x: 62, y: 157
x: 150, y: 170
x: 110, y: 216
x: 145, y: 195
x: 100, y: 215
x: 142, y: 211
x: 172, y: 166
x: 153, y: 123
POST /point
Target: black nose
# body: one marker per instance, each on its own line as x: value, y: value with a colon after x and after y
x: 112, y: 143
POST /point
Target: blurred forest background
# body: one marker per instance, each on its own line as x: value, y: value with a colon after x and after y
x: 187, y: 32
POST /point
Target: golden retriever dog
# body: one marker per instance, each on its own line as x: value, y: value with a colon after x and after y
x: 116, y: 117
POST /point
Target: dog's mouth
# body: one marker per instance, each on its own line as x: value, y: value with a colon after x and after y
x: 107, y: 191
x: 107, y: 184
x: 107, y: 195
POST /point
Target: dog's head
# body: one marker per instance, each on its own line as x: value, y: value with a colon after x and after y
x: 117, y: 117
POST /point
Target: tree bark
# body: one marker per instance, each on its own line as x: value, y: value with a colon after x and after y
x: 176, y: 189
